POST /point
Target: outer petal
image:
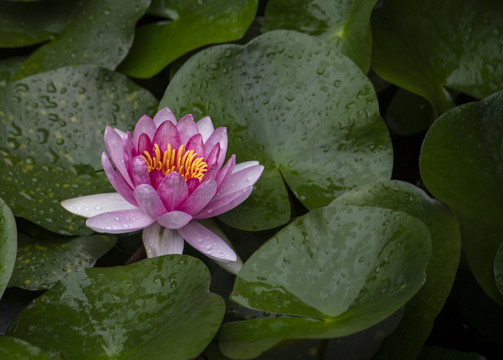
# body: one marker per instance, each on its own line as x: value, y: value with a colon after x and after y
x: 128, y: 152
x: 224, y: 204
x: 186, y: 128
x: 167, y: 134
x: 149, y: 201
x: 117, y: 222
x: 160, y: 241
x: 93, y: 205
x: 224, y: 174
x: 207, y: 242
x: 117, y: 181
x: 139, y: 171
x: 144, y: 144
x: 219, y: 136
x: 173, y: 190
x: 240, y: 180
x: 174, y: 219
x: 120, y: 132
x: 200, y: 197
x: 164, y: 115
x: 113, y: 142
x: 212, y: 156
x: 244, y: 165
x: 205, y: 127
x: 144, y: 126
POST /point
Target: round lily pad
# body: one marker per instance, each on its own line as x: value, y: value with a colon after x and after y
x: 306, y: 112
x: 195, y: 23
x: 44, y: 259
x: 8, y: 245
x: 16, y: 349
x: 344, y: 24
x: 333, y: 272
x: 420, y: 313
x: 148, y: 309
x: 426, y: 45
x: 53, y: 139
x: 461, y: 165
x: 99, y: 32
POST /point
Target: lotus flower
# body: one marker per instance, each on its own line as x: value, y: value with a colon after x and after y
x: 167, y: 175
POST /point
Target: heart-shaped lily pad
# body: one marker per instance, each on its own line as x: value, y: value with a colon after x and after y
x: 420, y: 313
x: 345, y: 24
x: 44, y: 258
x: 148, y: 309
x: 27, y: 23
x: 307, y: 113
x: 8, y: 68
x: 461, y: 164
x: 424, y: 45
x: 100, y: 32
x: 408, y: 113
x: 195, y: 23
x: 16, y: 349
x: 338, y: 270
x: 52, y: 138
x: 8, y: 245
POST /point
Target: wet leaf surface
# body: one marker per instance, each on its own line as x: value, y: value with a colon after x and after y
x: 15, y: 349
x: 126, y: 312
x: 8, y: 245
x: 315, y: 127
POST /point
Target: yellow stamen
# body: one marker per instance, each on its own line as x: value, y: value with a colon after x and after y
x: 184, y: 162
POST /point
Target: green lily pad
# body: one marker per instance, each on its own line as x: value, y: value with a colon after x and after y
x: 438, y: 353
x: 461, y: 165
x: 28, y: 23
x: 100, y: 32
x: 53, y: 139
x: 283, y: 93
x: 420, y: 313
x: 409, y: 113
x: 44, y: 258
x: 498, y: 268
x: 8, y: 68
x: 423, y: 46
x: 337, y: 270
x: 195, y: 23
x: 149, y: 309
x: 8, y: 245
x: 16, y: 349
x: 345, y: 24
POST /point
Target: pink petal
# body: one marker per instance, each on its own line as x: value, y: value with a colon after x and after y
x: 113, y: 143
x: 117, y: 181
x: 149, y: 201
x: 205, y: 127
x: 156, y: 177
x: 174, y: 219
x: 92, y: 205
x: 212, y: 172
x: 139, y: 172
x: 214, y: 154
x: 244, y: 165
x: 159, y: 241
x: 224, y: 174
x: 192, y: 184
x: 224, y: 204
x: 144, y: 144
x: 240, y: 180
x: 207, y: 242
x: 200, y: 197
x: 186, y: 128
x: 167, y: 134
x: 219, y: 136
x: 144, y: 126
x: 117, y: 222
x: 128, y: 152
x: 173, y: 190
x: 196, y: 143
x: 164, y: 115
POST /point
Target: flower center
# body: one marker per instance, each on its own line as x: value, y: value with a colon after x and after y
x: 180, y: 160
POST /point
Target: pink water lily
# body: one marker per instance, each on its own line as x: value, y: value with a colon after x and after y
x: 168, y: 174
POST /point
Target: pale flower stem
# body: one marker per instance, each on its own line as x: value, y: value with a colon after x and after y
x: 139, y: 254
